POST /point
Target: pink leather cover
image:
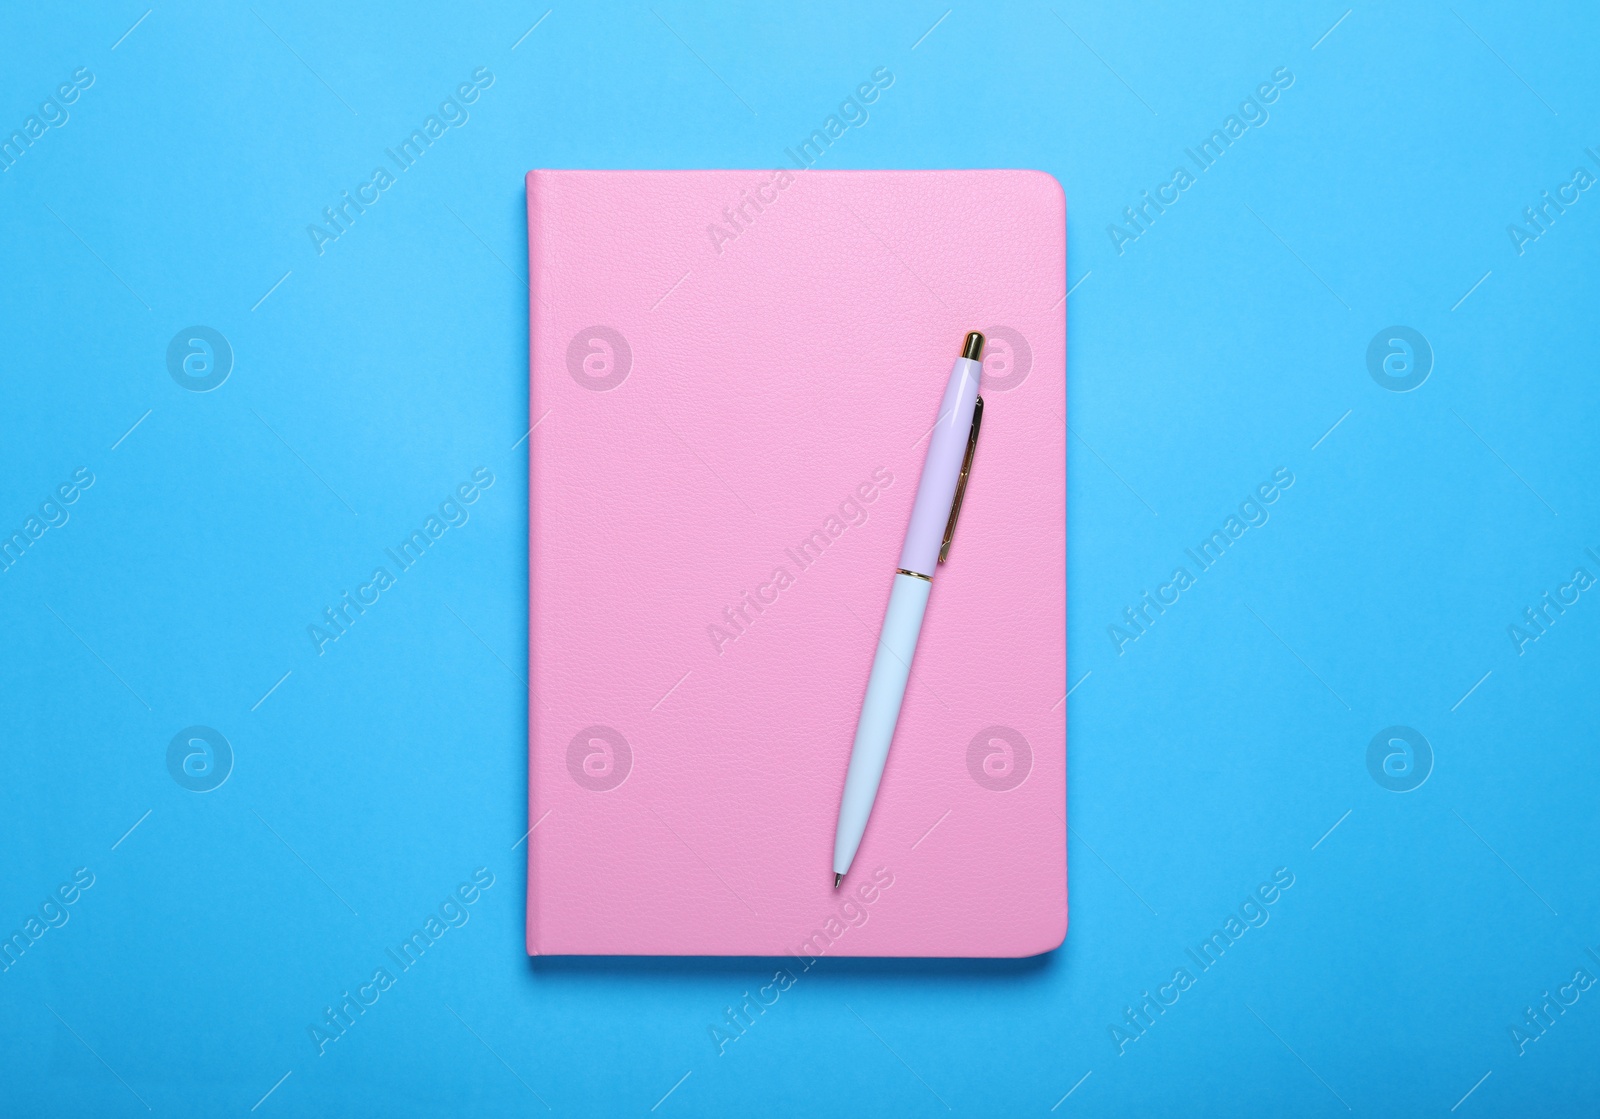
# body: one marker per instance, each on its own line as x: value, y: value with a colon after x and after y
x: 725, y: 366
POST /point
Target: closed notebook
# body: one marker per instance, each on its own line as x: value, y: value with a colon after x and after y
x: 733, y: 375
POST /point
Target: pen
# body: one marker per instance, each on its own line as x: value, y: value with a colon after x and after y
x: 933, y: 523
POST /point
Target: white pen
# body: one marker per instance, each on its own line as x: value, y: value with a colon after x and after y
x: 933, y: 522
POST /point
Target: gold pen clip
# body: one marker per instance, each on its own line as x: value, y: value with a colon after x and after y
x: 961, y: 481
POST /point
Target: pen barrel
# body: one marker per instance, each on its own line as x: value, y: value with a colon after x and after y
x: 880, y: 710
x: 947, y: 447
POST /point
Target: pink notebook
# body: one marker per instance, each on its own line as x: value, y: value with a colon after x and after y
x: 733, y: 376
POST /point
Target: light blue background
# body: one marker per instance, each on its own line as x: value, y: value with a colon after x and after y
x: 1224, y: 343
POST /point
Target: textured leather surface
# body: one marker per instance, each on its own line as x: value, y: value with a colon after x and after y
x: 767, y: 377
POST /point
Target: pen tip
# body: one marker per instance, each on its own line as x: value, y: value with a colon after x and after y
x: 974, y: 347
x: 837, y: 878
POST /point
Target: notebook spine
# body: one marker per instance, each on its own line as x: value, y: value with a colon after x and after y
x: 536, y: 407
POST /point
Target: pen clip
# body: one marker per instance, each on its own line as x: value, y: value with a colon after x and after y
x: 961, y: 481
